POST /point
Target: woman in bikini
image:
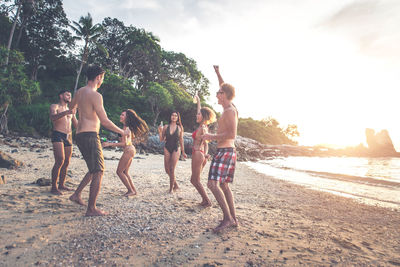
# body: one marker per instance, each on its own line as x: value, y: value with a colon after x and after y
x: 172, y: 134
x: 204, y: 117
x: 134, y: 127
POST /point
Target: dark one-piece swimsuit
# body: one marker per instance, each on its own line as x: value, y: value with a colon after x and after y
x: 172, y: 140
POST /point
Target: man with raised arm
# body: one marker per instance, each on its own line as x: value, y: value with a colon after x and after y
x: 62, y: 118
x: 91, y: 113
x: 222, y: 166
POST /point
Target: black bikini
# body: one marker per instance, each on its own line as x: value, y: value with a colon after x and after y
x: 172, y: 140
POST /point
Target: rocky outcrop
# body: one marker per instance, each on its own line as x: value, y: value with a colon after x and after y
x: 248, y: 149
x: 8, y: 162
x: 380, y: 144
x: 251, y: 150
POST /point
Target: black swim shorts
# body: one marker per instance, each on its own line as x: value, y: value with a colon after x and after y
x: 57, y: 136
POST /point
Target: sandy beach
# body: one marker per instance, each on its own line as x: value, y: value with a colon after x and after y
x: 280, y: 223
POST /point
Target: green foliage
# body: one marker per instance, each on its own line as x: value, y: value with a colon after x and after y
x: 88, y: 32
x: 141, y: 75
x: 31, y: 119
x: 136, y: 54
x: 267, y: 131
x: 5, y: 27
x: 133, y: 53
x: 43, y: 35
x: 181, y: 98
x: 183, y: 71
x: 181, y: 102
x: 15, y: 87
x: 158, y: 98
x: 119, y: 95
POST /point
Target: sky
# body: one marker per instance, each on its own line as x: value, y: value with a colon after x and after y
x: 330, y: 67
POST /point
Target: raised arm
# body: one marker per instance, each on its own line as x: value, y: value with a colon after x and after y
x: 220, y: 80
x: 198, y: 103
x: 56, y: 116
x: 101, y: 113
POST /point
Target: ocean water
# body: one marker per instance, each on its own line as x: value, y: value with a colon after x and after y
x: 373, y: 181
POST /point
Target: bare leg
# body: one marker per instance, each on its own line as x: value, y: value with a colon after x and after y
x: 76, y: 196
x: 219, y: 196
x: 204, y: 163
x: 58, y: 150
x: 167, y: 163
x: 63, y: 171
x: 95, y: 186
x: 173, y: 161
x: 229, y: 199
x: 123, y: 164
x: 197, y: 166
x: 129, y: 177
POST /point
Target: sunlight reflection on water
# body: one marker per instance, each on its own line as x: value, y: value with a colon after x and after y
x: 341, y: 176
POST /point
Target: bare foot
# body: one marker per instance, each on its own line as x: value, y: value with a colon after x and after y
x: 176, y: 187
x: 77, y: 200
x: 236, y: 222
x: 130, y: 194
x: 56, y: 192
x: 64, y: 188
x: 223, y: 225
x: 205, y: 204
x: 96, y: 212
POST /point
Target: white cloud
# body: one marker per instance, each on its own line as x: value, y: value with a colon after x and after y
x: 134, y: 4
x: 373, y: 24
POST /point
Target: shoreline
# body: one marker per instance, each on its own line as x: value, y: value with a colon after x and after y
x: 369, y: 190
x: 280, y: 223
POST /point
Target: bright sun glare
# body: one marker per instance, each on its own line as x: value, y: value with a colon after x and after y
x: 321, y: 82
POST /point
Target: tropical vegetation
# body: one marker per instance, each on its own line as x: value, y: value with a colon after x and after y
x: 42, y: 52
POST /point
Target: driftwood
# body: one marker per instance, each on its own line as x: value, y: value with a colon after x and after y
x: 3, y: 121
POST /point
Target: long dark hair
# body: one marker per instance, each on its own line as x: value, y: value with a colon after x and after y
x: 136, y: 124
x: 178, y: 122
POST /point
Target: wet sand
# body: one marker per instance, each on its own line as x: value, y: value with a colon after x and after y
x: 280, y: 223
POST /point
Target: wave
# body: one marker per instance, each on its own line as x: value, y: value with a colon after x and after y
x: 347, y: 178
x: 372, y: 190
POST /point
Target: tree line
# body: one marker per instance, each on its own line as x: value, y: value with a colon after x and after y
x: 42, y: 52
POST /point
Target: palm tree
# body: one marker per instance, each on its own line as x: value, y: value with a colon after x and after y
x: 85, y: 30
x: 28, y: 6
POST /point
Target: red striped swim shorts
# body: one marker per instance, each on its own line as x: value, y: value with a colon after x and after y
x: 223, y: 164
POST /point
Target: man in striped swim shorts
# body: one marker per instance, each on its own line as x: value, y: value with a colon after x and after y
x: 222, y: 168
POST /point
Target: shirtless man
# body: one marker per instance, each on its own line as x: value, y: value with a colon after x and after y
x: 91, y: 113
x: 222, y: 166
x: 62, y: 118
